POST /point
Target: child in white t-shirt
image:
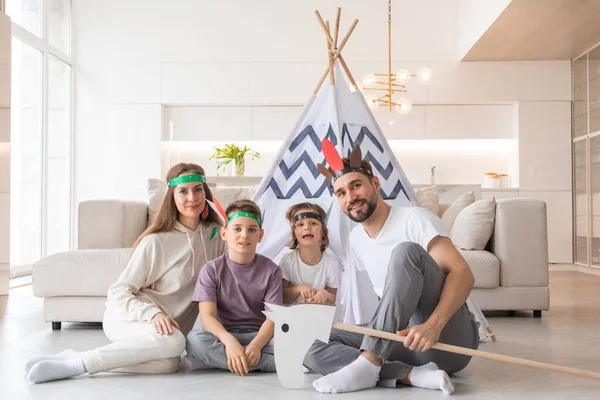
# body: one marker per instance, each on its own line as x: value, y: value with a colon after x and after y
x: 309, y: 274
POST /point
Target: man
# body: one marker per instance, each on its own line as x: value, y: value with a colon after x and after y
x: 422, y: 282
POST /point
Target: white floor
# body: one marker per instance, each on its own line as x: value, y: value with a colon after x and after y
x: 568, y: 335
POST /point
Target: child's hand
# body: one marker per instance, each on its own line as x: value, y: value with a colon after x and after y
x: 253, y: 354
x: 236, y: 358
x: 306, y: 291
x: 321, y: 297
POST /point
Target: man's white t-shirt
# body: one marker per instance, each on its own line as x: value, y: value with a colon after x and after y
x: 325, y: 273
x: 404, y: 224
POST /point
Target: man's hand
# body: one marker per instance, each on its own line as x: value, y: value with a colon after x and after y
x: 236, y: 357
x: 420, y: 337
x: 253, y: 354
x: 321, y: 297
x: 306, y: 291
x: 162, y: 323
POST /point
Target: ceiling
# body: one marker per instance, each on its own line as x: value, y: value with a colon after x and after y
x: 540, y: 30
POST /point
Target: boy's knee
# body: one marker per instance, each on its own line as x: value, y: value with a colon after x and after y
x: 198, y: 341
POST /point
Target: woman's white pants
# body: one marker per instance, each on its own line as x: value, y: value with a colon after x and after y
x: 136, y: 348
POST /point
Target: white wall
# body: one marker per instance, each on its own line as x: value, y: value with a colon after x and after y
x: 475, y: 17
x: 238, y: 70
x: 5, y: 41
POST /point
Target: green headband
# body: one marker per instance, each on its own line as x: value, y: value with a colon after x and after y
x: 186, y: 179
x: 244, y: 214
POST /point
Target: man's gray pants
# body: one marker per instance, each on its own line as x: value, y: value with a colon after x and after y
x: 412, y: 290
x: 208, y: 352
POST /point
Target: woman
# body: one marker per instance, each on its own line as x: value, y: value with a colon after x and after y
x: 149, y: 310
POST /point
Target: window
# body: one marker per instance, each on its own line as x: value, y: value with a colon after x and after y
x: 58, y: 190
x: 41, y: 130
x: 26, y: 162
x: 27, y: 14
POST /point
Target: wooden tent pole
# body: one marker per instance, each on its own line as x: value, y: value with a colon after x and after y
x: 338, y: 54
x: 337, y: 28
x: 330, y: 58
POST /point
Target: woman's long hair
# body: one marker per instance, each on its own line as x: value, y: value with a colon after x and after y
x: 168, y: 214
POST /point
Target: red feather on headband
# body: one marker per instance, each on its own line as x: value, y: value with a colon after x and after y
x: 331, y: 155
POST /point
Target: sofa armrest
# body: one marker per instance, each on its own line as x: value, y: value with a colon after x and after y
x: 109, y: 224
x: 520, y: 241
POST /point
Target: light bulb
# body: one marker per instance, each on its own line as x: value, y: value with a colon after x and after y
x: 372, y: 102
x: 391, y: 122
x: 369, y: 79
x: 424, y: 75
x: 402, y: 76
x: 403, y: 106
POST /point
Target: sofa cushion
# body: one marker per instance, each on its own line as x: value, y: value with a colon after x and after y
x: 449, y: 215
x: 156, y: 192
x: 429, y: 198
x: 79, y: 273
x: 474, y: 225
x: 485, y: 267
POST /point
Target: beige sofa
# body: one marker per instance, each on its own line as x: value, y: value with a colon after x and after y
x: 511, y: 274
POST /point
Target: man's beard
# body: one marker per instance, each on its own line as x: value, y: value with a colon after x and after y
x: 361, y: 217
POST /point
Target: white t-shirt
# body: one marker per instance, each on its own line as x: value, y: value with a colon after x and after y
x: 404, y: 224
x: 325, y: 273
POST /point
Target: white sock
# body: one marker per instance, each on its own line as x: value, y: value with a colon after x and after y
x: 51, y: 370
x: 63, y: 355
x: 429, y: 376
x: 358, y: 375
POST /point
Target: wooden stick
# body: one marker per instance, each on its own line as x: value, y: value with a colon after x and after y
x: 330, y: 58
x: 348, y: 73
x: 338, y: 55
x: 492, y: 334
x: 471, y: 352
x: 337, y: 28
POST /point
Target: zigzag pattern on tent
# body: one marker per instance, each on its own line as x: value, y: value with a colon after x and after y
x: 384, y: 172
x: 303, y: 142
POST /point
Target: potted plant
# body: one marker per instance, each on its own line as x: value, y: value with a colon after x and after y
x: 233, y: 153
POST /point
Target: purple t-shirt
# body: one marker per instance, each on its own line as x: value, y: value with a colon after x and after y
x: 240, y: 291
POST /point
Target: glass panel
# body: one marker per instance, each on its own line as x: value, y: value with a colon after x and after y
x: 581, y: 202
x: 579, y: 96
x: 595, y: 193
x: 27, y: 13
x: 26, y: 148
x: 594, y: 76
x: 59, y: 156
x: 59, y: 24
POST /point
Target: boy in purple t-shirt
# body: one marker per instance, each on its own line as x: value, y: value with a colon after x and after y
x: 231, y: 292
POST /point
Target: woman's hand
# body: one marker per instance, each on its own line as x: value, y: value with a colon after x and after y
x: 306, y: 291
x: 253, y: 353
x: 162, y: 323
x: 236, y: 358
